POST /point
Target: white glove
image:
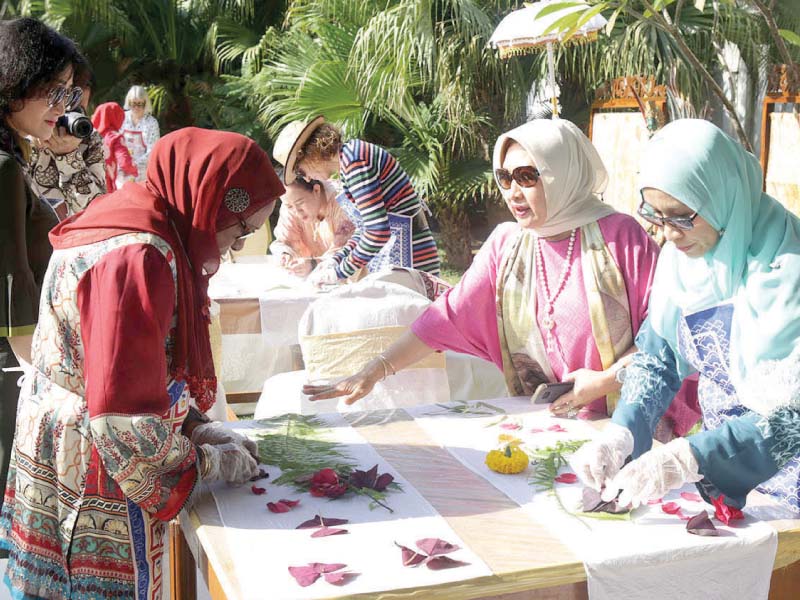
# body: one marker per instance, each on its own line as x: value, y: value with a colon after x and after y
x: 215, y: 433
x: 324, y: 274
x: 654, y: 473
x: 602, y: 458
x: 227, y: 462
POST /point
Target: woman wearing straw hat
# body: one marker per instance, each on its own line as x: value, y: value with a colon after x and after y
x: 376, y: 193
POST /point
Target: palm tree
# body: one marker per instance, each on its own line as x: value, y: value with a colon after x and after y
x: 676, y: 42
x: 179, y: 49
x: 413, y: 75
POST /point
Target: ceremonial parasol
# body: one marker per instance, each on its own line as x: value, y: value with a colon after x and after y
x: 525, y: 30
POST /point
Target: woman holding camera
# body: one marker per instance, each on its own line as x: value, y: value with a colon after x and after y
x: 36, y: 67
x: 67, y: 169
x: 556, y: 296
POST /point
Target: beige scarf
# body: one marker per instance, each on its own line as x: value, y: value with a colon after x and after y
x: 525, y: 362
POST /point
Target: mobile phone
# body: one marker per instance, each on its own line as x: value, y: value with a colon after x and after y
x: 547, y: 393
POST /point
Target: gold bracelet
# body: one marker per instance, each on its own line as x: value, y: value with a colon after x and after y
x: 385, y: 362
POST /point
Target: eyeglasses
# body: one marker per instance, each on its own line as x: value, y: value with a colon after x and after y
x: 69, y: 97
x: 141, y: 104
x: 525, y: 176
x: 246, y: 231
x: 649, y: 214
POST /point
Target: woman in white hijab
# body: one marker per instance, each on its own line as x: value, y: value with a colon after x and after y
x: 556, y: 296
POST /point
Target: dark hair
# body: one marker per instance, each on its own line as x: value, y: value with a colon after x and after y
x: 84, y: 76
x: 32, y: 55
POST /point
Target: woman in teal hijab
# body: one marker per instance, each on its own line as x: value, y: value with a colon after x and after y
x: 725, y: 303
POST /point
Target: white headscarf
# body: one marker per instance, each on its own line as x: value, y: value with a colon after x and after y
x: 571, y: 170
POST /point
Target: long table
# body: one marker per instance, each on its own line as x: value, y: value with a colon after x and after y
x: 524, y: 558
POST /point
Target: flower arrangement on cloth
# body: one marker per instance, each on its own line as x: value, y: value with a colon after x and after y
x: 333, y: 483
x: 298, y: 446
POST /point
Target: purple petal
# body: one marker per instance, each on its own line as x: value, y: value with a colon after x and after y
x: 435, y: 546
x: 304, y: 576
x: 700, y: 524
x: 383, y: 481
x: 437, y: 563
x: 410, y: 558
x: 340, y: 577
x: 326, y: 531
x: 327, y: 567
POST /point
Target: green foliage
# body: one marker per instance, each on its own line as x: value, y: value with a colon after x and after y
x: 549, y: 460
x: 296, y: 444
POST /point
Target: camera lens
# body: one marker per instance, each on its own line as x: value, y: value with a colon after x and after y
x: 76, y: 123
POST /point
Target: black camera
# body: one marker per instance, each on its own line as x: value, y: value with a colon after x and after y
x: 76, y: 123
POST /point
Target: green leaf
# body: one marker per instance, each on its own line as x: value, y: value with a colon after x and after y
x: 790, y: 36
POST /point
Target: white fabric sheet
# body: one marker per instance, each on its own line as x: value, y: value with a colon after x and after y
x: 263, y: 545
x: 652, y: 556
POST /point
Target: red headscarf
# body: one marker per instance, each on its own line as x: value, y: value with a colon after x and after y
x: 197, y: 181
x: 108, y: 117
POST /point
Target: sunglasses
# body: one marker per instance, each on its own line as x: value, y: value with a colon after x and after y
x: 61, y: 94
x: 649, y: 214
x: 138, y: 104
x: 525, y: 176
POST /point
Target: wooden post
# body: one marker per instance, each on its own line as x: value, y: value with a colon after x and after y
x: 182, y: 570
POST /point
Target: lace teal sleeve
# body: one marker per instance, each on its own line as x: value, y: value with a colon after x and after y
x: 745, y: 451
x: 651, y: 382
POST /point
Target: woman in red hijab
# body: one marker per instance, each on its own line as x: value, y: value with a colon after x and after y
x: 107, y: 119
x: 109, y: 445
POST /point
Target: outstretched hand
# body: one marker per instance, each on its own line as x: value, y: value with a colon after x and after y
x: 352, y: 388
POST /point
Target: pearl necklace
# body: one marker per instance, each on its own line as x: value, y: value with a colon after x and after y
x: 549, y: 300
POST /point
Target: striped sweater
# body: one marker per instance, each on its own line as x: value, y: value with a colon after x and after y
x: 376, y: 184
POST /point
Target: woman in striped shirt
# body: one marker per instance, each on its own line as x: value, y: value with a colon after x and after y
x: 394, y: 229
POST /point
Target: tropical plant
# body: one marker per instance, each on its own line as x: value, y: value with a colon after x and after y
x: 179, y: 49
x: 678, y: 43
x: 415, y: 76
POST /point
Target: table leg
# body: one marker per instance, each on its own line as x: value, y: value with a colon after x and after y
x: 182, y: 570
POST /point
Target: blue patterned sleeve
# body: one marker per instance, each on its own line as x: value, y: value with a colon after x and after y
x: 745, y: 451
x: 651, y: 381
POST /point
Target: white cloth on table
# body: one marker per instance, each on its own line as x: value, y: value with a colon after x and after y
x: 650, y: 557
x: 262, y: 544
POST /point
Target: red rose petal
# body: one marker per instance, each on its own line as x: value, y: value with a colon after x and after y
x: 278, y: 507
x: 326, y: 531
x: 290, y: 503
x: 567, y: 478
x: 658, y: 501
x: 437, y: 563
x: 700, y: 524
x: 436, y: 546
x: 691, y: 497
x: 537, y: 430
x: 304, y: 576
x: 724, y: 513
x: 671, y: 508
x: 511, y: 426
x: 557, y: 428
x: 258, y: 490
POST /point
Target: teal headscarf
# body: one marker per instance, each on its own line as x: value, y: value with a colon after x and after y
x: 755, y: 265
